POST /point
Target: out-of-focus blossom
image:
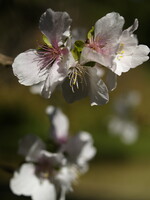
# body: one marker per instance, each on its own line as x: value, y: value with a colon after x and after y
x: 122, y: 122
x: 59, y: 125
x: 82, y: 151
x: 110, y: 46
x: 125, y: 129
x: 46, y: 175
x: 125, y: 103
x: 36, y: 177
x: 46, y: 65
x: 82, y: 142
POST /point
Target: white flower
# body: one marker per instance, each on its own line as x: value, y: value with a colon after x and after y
x: 115, y: 49
x: 129, y: 54
x: 25, y: 182
x: 59, y: 124
x: 46, y: 65
x: 101, y: 47
x: 47, y: 175
x: 35, y: 179
x: 84, y: 81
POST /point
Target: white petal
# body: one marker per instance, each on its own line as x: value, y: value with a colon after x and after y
x: 109, y: 26
x: 89, y: 54
x: 56, y: 75
x: 66, y: 176
x: 54, y: 24
x: 134, y: 27
x: 27, y: 68
x: 88, y: 151
x: 30, y: 146
x: 59, y: 124
x: 98, y: 91
x: 140, y: 55
x: 45, y: 191
x: 83, y: 149
x: 24, y: 181
x: 122, y: 65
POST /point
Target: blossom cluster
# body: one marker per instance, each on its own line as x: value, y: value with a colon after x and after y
x: 50, y: 170
x: 85, y: 68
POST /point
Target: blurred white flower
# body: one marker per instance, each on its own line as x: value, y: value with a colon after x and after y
x: 46, y: 175
x: 122, y: 122
x: 82, y: 151
x: 125, y: 129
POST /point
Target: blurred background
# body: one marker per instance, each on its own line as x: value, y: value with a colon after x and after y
x: 121, y: 129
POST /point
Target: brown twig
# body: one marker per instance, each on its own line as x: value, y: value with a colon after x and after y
x: 5, y: 60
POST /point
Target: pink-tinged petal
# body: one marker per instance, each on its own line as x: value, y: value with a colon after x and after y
x: 140, y: 55
x: 59, y: 124
x: 109, y: 26
x: 98, y: 91
x: 54, y: 24
x: 27, y: 69
x: 30, y: 146
x: 24, y: 181
x: 88, y: 55
x: 57, y: 73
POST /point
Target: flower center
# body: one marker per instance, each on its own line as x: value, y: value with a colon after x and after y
x: 77, y: 76
x: 120, y: 51
x: 98, y: 44
x: 48, y: 55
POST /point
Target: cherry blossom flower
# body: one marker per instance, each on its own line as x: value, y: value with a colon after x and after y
x: 102, y: 43
x: 46, y: 175
x: 82, y: 142
x: 46, y: 64
x: 35, y: 177
x: 113, y: 48
x: 129, y: 54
